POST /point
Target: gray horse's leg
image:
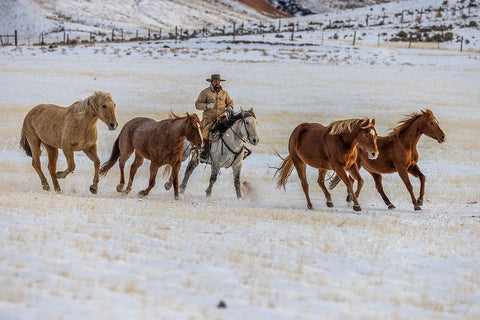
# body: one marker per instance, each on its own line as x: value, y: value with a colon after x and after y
x: 236, y: 178
x: 192, y: 164
x: 213, y: 178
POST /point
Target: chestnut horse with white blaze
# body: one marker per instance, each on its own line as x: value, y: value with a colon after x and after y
x: 161, y: 142
x: 329, y: 148
x: 70, y: 129
x: 398, y: 153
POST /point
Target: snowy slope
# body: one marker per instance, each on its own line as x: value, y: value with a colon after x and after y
x: 31, y: 17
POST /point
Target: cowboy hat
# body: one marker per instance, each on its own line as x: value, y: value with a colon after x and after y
x: 215, y: 77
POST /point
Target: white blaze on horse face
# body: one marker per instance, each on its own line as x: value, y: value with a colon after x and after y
x: 372, y: 132
x: 199, y: 132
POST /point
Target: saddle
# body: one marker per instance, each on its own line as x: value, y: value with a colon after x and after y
x: 224, y: 123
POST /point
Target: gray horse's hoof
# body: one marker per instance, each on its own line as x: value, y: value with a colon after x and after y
x: 357, y: 207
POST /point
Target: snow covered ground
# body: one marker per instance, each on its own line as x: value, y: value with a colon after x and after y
x: 75, y: 255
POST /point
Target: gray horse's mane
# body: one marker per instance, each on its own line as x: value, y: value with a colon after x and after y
x: 222, y: 125
x: 342, y: 126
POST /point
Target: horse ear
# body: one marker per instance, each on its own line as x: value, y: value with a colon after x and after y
x: 365, y: 123
x: 373, y: 121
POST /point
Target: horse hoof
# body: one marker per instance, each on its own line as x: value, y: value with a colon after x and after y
x: 57, y: 189
x: 330, y: 204
x: 93, y: 189
x: 167, y: 185
x: 418, y: 208
x: 349, y: 199
x: 59, y: 175
x: 420, y: 202
x: 357, y: 207
x: 391, y: 206
x: 142, y: 194
x: 120, y: 188
x: 46, y: 187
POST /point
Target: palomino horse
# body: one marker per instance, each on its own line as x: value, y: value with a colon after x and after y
x: 329, y: 148
x: 71, y: 129
x: 398, y: 153
x: 160, y: 142
x: 226, y: 151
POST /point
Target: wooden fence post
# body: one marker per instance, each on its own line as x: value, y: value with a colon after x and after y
x: 461, y: 44
x: 354, y: 37
x: 16, y: 38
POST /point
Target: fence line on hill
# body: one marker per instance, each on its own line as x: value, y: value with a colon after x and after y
x: 409, y: 32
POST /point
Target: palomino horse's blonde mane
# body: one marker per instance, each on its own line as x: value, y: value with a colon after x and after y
x: 90, y: 102
x: 342, y: 126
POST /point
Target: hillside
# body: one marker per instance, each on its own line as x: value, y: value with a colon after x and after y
x: 33, y: 17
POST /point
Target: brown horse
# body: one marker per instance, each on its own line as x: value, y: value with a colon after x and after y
x: 398, y: 153
x: 160, y: 142
x: 71, y: 129
x: 333, y: 147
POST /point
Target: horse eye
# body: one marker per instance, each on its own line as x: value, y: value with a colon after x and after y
x: 431, y: 123
x: 104, y: 107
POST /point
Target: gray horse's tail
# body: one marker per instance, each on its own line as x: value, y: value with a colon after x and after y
x: 24, y: 144
x: 113, y: 159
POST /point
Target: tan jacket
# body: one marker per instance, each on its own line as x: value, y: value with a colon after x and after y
x: 220, y: 99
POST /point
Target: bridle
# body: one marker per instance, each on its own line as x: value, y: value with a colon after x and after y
x: 238, y: 135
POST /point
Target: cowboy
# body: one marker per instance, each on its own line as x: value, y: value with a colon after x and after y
x: 215, y: 104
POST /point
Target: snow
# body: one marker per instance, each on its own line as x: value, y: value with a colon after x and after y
x: 75, y: 255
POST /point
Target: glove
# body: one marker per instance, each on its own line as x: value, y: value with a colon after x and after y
x: 210, y: 105
x: 229, y: 109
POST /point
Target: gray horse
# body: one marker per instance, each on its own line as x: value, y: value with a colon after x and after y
x: 227, y: 149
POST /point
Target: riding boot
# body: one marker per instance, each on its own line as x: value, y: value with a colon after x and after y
x: 204, y: 154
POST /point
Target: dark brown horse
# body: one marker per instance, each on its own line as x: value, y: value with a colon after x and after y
x: 398, y: 153
x: 329, y: 148
x: 160, y: 142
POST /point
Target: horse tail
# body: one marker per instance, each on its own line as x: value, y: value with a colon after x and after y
x: 285, y: 170
x: 24, y: 143
x: 333, y: 182
x: 113, y: 159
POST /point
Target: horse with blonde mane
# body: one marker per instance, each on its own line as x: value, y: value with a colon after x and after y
x: 398, y: 153
x: 329, y: 148
x: 161, y: 142
x: 70, y: 129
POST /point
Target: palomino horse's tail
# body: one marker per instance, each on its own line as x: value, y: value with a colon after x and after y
x: 333, y: 182
x: 285, y: 170
x: 113, y: 159
x: 24, y: 144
